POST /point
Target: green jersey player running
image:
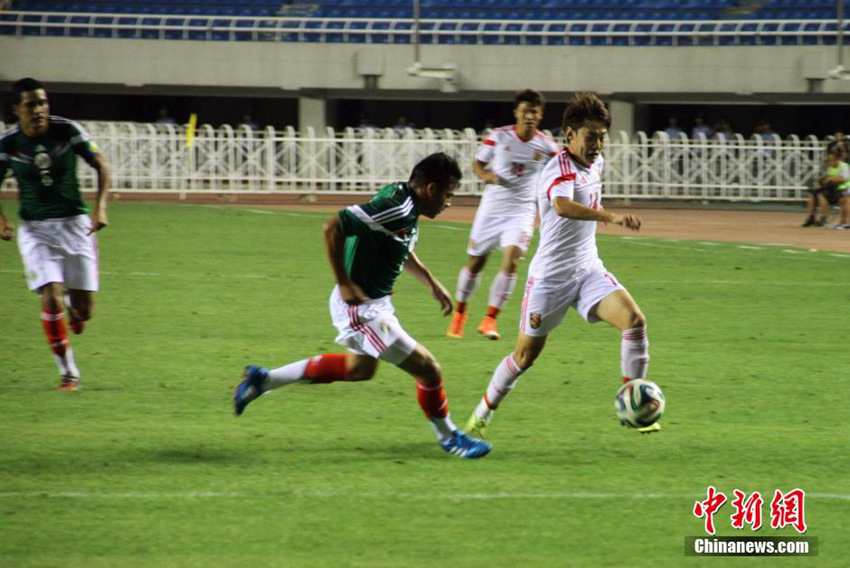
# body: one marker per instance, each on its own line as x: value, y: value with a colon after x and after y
x: 368, y: 245
x: 56, y: 234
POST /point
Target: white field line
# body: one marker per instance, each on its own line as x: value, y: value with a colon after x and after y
x: 389, y: 495
x: 749, y: 247
x: 450, y: 227
x: 742, y: 283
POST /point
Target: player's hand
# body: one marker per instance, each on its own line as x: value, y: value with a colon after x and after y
x: 442, y: 295
x: 352, y: 294
x: 7, y: 230
x: 492, y: 179
x: 628, y: 221
x: 98, y: 220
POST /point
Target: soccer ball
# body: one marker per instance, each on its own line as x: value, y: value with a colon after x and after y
x: 639, y: 403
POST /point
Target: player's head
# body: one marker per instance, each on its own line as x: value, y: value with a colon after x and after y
x: 833, y: 158
x: 528, y: 109
x: 29, y: 103
x: 586, y: 122
x: 435, y: 179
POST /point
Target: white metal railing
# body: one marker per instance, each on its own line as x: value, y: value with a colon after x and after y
x: 400, y: 30
x: 155, y: 158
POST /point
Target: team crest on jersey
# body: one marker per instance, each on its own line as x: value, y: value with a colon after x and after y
x: 42, y: 161
x: 534, y: 321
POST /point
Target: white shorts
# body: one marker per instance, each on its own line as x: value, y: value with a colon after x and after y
x: 59, y: 250
x: 494, y: 232
x: 546, y: 302
x: 371, y: 328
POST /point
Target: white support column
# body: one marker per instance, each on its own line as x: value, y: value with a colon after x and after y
x: 312, y: 112
x: 622, y: 117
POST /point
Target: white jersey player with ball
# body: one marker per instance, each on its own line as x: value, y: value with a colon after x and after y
x: 515, y: 155
x: 566, y: 270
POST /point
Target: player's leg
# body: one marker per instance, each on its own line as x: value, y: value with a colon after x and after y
x: 620, y: 310
x: 53, y: 324
x: 500, y: 290
x: 823, y: 203
x: 431, y: 395
x: 320, y: 369
x: 845, y: 210
x: 811, y: 207
x: 467, y: 282
x: 80, y: 304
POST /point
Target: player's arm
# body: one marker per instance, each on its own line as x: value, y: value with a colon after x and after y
x: 335, y: 248
x: 480, y: 170
x: 569, y: 209
x: 421, y: 273
x: 104, y: 183
x: 7, y: 229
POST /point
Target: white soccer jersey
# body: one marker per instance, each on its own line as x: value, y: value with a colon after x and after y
x: 567, y: 246
x: 517, y: 163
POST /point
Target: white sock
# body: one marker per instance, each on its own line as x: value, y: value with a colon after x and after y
x: 67, y: 365
x: 285, y: 375
x: 634, y: 353
x: 466, y: 284
x: 443, y: 427
x: 501, y: 384
x: 501, y: 289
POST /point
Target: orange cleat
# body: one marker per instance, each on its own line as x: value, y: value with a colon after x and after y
x: 458, y: 324
x: 489, y: 329
x: 69, y: 383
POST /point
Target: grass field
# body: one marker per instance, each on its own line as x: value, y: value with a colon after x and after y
x: 148, y: 467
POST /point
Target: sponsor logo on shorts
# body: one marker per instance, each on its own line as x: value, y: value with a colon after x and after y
x: 534, y: 321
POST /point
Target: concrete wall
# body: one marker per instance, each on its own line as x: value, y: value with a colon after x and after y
x: 329, y: 70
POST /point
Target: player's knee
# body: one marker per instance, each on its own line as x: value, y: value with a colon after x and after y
x: 524, y: 358
x: 361, y: 374
x: 637, y: 319
x: 431, y: 371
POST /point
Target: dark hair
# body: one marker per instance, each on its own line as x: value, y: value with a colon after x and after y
x: 584, y: 107
x: 531, y: 97
x: 439, y: 168
x: 22, y: 86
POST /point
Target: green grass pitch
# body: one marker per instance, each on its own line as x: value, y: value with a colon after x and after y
x: 148, y: 467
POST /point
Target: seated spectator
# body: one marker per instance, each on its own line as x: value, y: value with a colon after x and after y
x: 248, y: 120
x: 840, y: 145
x: 700, y: 127
x: 766, y: 133
x: 831, y: 188
x: 673, y: 131
x: 402, y: 124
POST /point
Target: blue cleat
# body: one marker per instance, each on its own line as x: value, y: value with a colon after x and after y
x: 250, y: 387
x: 465, y: 446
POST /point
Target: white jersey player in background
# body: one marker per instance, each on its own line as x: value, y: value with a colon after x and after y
x: 505, y: 216
x: 566, y: 271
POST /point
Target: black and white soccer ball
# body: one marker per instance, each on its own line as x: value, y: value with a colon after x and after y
x: 639, y: 403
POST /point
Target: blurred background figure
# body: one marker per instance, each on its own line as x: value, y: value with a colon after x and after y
x: 673, y: 130
x: 829, y: 191
x: 163, y: 116
x: 839, y: 145
x: 248, y: 120
x: 700, y: 127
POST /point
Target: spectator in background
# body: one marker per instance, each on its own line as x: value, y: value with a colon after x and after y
x: 673, y: 131
x: 488, y: 127
x: 248, y: 120
x: 700, y: 127
x: 723, y: 131
x: 163, y: 117
x: 764, y: 131
x: 363, y: 121
x: 402, y: 124
x: 839, y: 145
x: 832, y: 189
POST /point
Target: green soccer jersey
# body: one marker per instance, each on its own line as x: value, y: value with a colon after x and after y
x: 46, y: 168
x: 380, y: 235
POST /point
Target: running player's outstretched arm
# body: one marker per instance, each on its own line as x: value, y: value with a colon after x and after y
x: 421, y: 273
x: 569, y: 209
x: 104, y: 182
x: 350, y: 292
